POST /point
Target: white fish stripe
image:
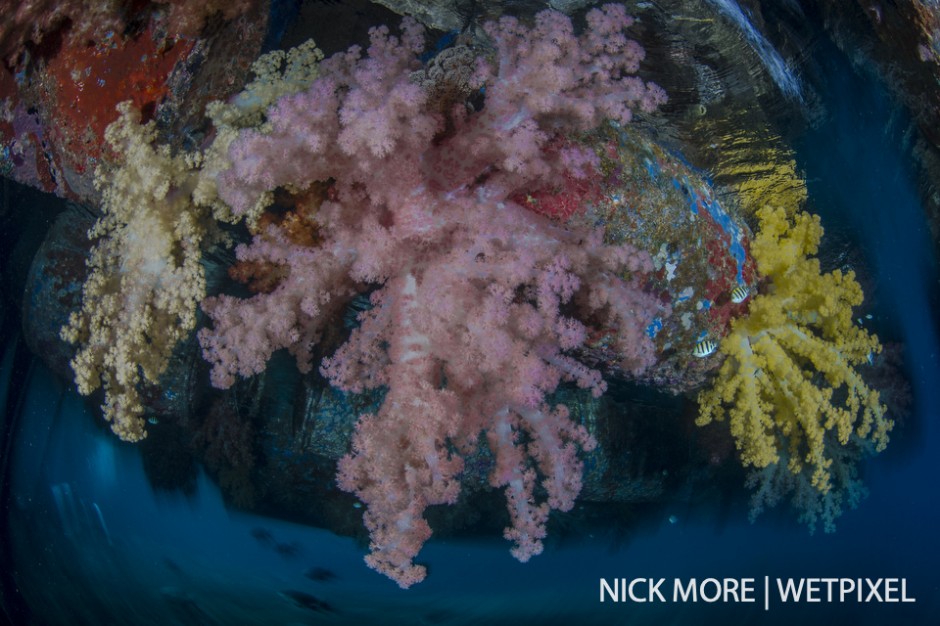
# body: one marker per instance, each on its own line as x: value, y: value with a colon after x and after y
x: 704, y: 348
x: 739, y: 294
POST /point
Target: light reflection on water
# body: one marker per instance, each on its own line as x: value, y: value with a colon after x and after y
x: 779, y: 70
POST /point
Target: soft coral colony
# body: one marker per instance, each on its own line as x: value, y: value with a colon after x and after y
x: 402, y: 189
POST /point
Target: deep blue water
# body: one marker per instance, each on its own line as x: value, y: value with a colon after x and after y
x: 95, y: 544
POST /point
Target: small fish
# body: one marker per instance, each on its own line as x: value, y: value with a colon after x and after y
x: 287, y: 550
x: 263, y: 536
x: 304, y: 600
x: 321, y: 575
x: 153, y: 420
x: 739, y: 294
x: 704, y: 348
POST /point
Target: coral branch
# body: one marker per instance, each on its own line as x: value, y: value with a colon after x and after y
x: 146, y: 279
x: 479, y: 306
x: 789, y: 387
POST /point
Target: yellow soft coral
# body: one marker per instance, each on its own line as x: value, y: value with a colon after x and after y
x: 789, y: 379
x: 146, y: 279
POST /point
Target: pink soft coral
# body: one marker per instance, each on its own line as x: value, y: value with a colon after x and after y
x: 481, y: 304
